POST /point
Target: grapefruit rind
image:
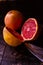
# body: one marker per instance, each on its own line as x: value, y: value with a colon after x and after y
x: 10, y: 39
x: 13, y: 19
x: 34, y: 33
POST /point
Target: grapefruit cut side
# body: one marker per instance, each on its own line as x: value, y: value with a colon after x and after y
x: 29, y: 29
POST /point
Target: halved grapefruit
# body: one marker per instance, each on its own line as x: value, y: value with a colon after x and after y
x: 11, y: 38
x: 29, y: 29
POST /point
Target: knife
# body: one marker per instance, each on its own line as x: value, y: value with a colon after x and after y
x: 35, y: 50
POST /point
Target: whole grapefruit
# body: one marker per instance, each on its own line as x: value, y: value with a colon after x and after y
x: 13, y: 19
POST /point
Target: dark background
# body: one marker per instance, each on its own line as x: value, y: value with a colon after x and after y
x: 29, y: 9
x: 20, y: 55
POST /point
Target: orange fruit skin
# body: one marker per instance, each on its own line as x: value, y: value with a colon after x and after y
x: 10, y: 39
x: 13, y: 19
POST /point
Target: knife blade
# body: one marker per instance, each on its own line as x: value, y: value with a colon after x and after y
x: 35, y: 50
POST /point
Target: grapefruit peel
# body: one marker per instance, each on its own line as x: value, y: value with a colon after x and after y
x: 10, y: 39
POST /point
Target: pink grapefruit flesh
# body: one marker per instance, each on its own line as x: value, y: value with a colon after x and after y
x: 29, y: 29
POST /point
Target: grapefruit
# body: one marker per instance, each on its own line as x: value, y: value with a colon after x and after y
x: 13, y: 19
x: 29, y: 29
x: 12, y: 39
